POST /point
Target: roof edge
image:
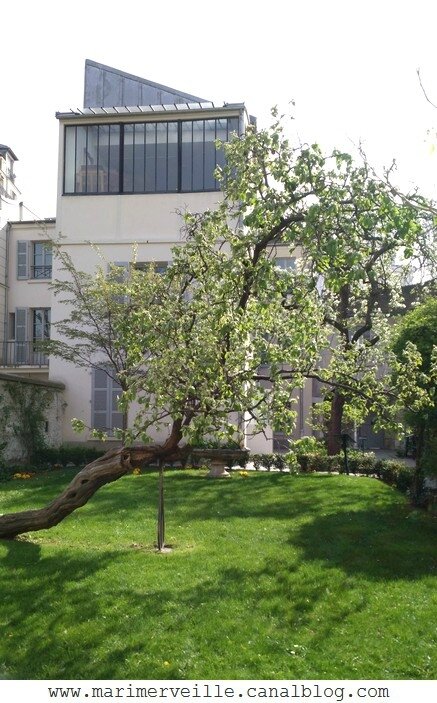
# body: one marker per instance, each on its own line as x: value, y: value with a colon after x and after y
x: 4, y: 147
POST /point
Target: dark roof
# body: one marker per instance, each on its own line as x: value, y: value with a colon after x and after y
x: 4, y: 149
x: 109, y: 87
x: 43, y: 220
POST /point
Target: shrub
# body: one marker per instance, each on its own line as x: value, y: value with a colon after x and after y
x: 291, y: 462
x: 395, y: 473
x: 257, y: 460
x: 308, y: 461
x: 76, y: 454
x: 268, y: 461
x: 279, y: 461
x: 361, y: 462
x: 308, y: 445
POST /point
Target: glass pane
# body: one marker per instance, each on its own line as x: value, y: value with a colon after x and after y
x: 128, y: 159
x: 198, y: 154
x: 209, y: 154
x: 187, y: 156
x: 233, y: 123
x: 100, y: 421
x: 100, y: 379
x: 47, y: 316
x: 81, y: 159
x: 100, y: 399
x: 139, y: 158
x: 69, y: 166
x: 161, y: 157
x: 92, y: 159
x: 103, y: 159
x: 172, y: 157
x: 222, y: 130
x: 150, y: 158
x: 38, y: 256
x: 285, y: 262
x: 114, y: 158
x: 116, y: 421
x: 38, y: 324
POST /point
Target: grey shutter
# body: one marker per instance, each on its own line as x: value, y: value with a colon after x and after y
x: 100, y: 400
x: 22, y: 260
x: 105, y: 392
x: 21, y: 336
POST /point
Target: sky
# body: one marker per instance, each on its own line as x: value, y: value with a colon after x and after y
x: 350, y: 68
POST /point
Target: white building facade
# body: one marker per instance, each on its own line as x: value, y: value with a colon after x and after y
x: 130, y: 161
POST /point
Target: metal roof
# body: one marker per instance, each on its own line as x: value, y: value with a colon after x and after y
x: 137, y: 110
x: 106, y: 86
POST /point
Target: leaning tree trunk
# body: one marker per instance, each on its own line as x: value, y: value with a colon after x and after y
x: 334, y: 424
x: 110, y: 467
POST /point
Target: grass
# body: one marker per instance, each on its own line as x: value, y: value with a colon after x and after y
x: 270, y: 577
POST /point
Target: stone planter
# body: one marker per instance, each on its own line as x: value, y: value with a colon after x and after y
x: 220, y: 459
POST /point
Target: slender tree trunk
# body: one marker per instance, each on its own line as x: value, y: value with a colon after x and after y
x: 334, y: 424
x: 110, y: 467
x: 161, y: 514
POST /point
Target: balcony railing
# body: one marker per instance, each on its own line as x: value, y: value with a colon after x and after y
x: 41, y: 272
x: 15, y: 354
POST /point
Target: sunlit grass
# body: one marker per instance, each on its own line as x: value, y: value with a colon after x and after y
x: 270, y: 576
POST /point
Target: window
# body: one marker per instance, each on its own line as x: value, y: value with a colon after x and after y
x: 31, y: 326
x: 158, y: 266
x: 145, y: 157
x: 40, y: 324
x: 34, y: 260
x: 287, y: 263
x: 42, y: 260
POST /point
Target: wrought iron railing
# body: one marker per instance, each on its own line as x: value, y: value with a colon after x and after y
x: 15, y: 354
x: 41, y: 272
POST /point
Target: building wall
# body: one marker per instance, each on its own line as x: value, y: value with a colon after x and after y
x: 53, y: 415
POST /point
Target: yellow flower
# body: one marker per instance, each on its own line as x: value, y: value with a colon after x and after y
x: 244, y: 474
x: 136, y: 472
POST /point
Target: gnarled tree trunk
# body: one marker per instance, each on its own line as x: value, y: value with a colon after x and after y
x: 110, y: 467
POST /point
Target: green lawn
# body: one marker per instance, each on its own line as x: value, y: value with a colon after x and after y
x: 271, y: 576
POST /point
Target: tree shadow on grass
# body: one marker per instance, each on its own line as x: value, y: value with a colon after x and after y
x: 43, y: 596
x: 57, y: 611
x: 385, y: 544
x: 68, y: 614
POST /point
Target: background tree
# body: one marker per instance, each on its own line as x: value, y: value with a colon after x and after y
x: 419, y: 328
x: 362, y: 241
x: 356, y: 242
